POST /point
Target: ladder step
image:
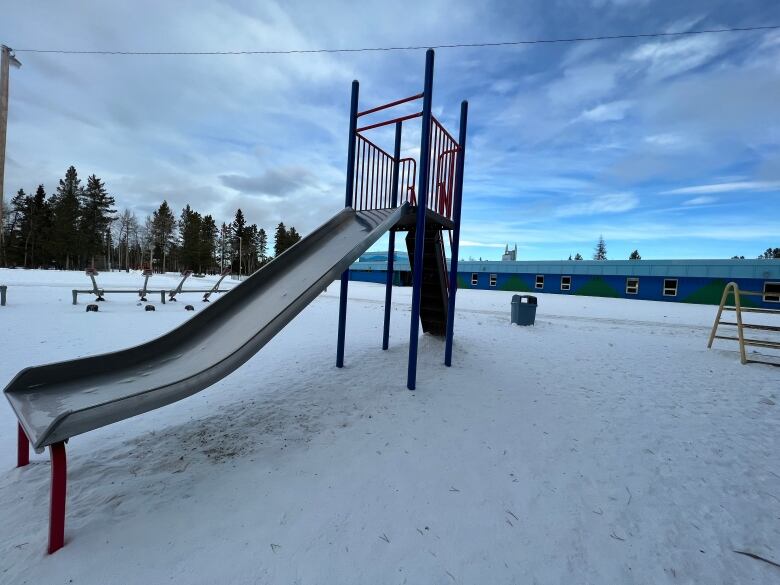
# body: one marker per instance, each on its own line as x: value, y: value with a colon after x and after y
x: 751, y: 309
x: 755, y: 342
x: 749, y: 361
x: 752, y: 326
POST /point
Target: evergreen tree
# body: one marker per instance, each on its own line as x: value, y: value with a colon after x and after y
x: 578, y: 256
x: 163, y: 226
x: 569, y: 257
x: 66, y: 212
x: 601, y: 250
x: 97, y: 215
x: 239, y: 223
x: 251, y: 254
x: 40, y: 218
x: 242, y: 244
x: 635, y: 255
x: 771, y: 253
x: 208, y: 243
x: 190, y: 226
x: 262, y: 246
x: 280, y: 239
x: 292, y: 237
x: 18, y: 228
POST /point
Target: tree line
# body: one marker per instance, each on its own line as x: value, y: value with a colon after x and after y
x: 600, y: 253
x: 768, y: 254
x: 78, y: 226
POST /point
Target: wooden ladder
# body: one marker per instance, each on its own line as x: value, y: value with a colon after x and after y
x: 733, y: 289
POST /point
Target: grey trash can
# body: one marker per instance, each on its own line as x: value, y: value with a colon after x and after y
x: 523, y: 313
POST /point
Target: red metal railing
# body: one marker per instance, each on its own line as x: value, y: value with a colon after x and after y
x: 388, y: 122
x: 373, y: 184
x: 441, y: 169
x: 411, y: 98
x: 407, y: 181
x: 373, y: 180
x: 371, y: 163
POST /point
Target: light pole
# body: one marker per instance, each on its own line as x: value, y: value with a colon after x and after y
x: 7, y: 58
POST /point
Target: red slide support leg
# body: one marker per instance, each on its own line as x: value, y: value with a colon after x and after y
x: 22, y: 448
x: 59, y: 474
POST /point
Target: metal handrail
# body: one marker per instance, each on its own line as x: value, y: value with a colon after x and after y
x: 372, y: 181
x: 388, y: 122
x: 390, y: 104
x: 445, y: 185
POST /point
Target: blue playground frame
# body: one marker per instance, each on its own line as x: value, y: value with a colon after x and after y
x: 442, y: 208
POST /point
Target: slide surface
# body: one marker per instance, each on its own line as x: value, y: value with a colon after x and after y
x: 56, y: 401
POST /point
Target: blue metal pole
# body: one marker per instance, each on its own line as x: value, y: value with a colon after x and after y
x: 456, y: 206
x: 419, y: 234
x: 391, y: 243
x: 353, y: 109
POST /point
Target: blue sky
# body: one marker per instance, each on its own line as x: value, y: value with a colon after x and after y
x: 671, y: 146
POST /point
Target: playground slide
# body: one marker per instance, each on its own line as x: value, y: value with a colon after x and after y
x: 56, y: 401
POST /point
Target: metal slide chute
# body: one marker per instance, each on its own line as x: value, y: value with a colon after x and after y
x: 57, y: 401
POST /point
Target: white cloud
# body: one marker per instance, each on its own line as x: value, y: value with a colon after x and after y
x: 667, y: 58
x: 666, y: 140
x: 726, y: 187
x: 610, y: 203
x: 702, y: 200
x: 609, y: 112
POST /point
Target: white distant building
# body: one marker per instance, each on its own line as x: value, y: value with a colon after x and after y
x: 509, y: 255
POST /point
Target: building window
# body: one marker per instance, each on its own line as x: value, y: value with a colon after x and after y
x: 539, y: 281
x: 565, y: 282
x: 670, y: 287
x: 493, y: 279
x: 474, y: 279
x: 632, y: 286
x: 772, y: 292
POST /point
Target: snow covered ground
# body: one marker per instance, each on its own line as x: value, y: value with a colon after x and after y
x: 604, y: 445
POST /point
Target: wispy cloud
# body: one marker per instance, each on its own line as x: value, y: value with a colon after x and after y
x: 471, y: 243
x: 671, y: 57
x: 703, y: 200
x: 611, y: 112
x: 610, y: 203
x: 726, y: 187
x: 666, y: 140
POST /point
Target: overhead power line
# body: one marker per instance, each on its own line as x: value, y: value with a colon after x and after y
x: 412, y: 47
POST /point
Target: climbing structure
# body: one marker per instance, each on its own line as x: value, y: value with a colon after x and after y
x: 432, y: 186
x: 732, y: 291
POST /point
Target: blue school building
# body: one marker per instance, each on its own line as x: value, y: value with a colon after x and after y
x: 687, y: 281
